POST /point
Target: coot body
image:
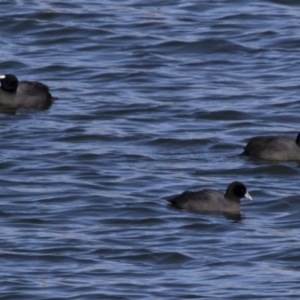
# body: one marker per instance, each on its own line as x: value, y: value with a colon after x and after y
x: 274, y: 148
x: 26, y: 94
x: 212, y: 200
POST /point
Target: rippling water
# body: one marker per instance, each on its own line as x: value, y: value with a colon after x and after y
x: 154, y: 99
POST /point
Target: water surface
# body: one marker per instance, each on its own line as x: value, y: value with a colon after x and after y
x: 154, y: 99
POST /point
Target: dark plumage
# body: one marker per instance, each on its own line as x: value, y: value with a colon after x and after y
x: 273, y: 148
x: 212, y: 200
x: 27, y: 94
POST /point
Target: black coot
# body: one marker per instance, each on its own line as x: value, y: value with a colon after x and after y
x: 212, y: 200
x: 273, y: 148
x: 27, y: 94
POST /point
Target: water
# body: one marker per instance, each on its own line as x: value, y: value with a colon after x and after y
x: 154, y: 99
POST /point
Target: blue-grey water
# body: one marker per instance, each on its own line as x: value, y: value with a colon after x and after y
x: 154, y: 98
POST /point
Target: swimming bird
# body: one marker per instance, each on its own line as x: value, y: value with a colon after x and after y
x: 213, y: 200
x: 273, y: 148
x: 26, y: 94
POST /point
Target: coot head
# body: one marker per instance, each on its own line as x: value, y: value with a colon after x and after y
x: 237, y: 189
x: 298, y: 139
x: 9, y: 82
